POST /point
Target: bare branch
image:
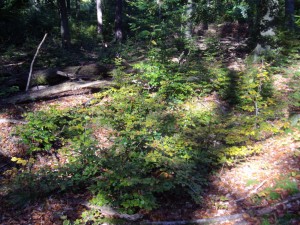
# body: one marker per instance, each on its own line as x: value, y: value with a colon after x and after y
x: 31, y: 66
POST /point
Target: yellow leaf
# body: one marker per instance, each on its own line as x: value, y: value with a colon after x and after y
x: 153, y: 42
x: 14, y: 159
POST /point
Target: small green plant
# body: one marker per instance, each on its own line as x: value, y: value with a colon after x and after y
x: 251, y: 182
x: 282, y: 185
x: 51, y: 129
x: 256, y: 89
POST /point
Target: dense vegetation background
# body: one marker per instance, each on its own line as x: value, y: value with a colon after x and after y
x: 191, y: 89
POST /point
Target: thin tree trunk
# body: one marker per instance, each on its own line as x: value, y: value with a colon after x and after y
x: 64, y: 24
x: 189, y: 24
x: 99, y: 16
x: 118, y: 20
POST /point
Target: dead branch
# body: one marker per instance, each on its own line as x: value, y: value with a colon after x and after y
x: 14, y: 64
x: 31, y: 66
x: 253, y: 191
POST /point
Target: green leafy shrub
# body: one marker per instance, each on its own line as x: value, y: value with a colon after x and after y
x: 167, y: 81
x: 256, y: 89
x: 51, y: 129
x: 149, y: 156
x: 295, y: 95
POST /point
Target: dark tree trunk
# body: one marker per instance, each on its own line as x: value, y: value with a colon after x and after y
x: 64, y: 24
x: 290, y: 14
x: 118, y: 20
x: 68, y: 2
x: 99, y: 16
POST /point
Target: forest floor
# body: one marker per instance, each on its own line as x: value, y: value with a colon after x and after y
x: 262, y: 181
x: 231, y: 191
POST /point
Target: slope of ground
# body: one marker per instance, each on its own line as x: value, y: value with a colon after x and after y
x: 257, y: 183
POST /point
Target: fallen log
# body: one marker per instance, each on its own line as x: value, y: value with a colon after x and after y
x: 57, y: 89
x: 215, y: 220
x: 240, y: 218
x: 12, y: 121
x: 55, y: 76
x: 108, y: 211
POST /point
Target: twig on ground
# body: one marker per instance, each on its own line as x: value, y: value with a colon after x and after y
x: 253, y: 191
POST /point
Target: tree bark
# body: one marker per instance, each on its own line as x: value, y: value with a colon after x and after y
x: 64, y: 24
x: 118, y: 20
x: 99, y: 16
x: 68, y: 4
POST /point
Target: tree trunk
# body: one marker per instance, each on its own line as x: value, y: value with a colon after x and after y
x: 68, y: 4
x: 118, y: 20
x: 64, y: 24
x: 189, y: 24
x: 99, y: 16
x: 266, y: 23
x: 290, y: 14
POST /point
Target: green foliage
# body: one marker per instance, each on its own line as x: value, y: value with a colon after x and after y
x: 283, y: 185
x: 295, y: 95
x: 21, y: 20
x: 52, y: 129
x: 256, y: 89
x: 167, y: 81
x: 148, y: 156
x: 8, y: 91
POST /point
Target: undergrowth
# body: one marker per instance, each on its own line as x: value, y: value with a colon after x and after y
x: 166, y: 137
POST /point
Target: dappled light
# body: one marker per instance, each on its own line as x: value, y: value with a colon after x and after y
x: 149, y: 112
